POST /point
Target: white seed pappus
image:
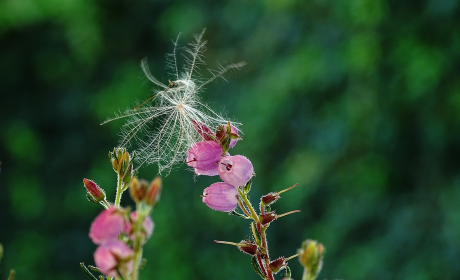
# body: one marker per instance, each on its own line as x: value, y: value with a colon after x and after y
x: 162, y: 127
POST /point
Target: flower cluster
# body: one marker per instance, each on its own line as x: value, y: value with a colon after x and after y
x: 210, y: 157
x: 118, y: 232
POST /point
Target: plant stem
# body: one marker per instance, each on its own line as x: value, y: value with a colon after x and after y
x: 137, y: 246
x: 119, y: 191
x: 306, y: 275
x: 261, y: 229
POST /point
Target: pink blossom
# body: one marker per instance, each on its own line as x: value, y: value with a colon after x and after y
x: 113, y: 254
x: 233, y: 130
x: 147, y: 226
x: 221, y: 197
x: 107, y: 226
x: 204, y: 156
x: 235, y: 170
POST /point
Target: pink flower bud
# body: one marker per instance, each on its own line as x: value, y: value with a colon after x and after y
x: 235, y: 170
x: 147, y: 226
x: 107, y: 226
x: 204, y: 156
x: 95, y: 193
x: 234, y: 133
x: 221, y: 197
x: 112, y: 255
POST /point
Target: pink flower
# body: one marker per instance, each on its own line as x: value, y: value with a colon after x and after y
x: 221, y: 197
x: 113, y: 254
x: 234, y: 131
x: 235, y: 170
x: 107, y: 226
x: 204, y: 156
x: 147, y: 226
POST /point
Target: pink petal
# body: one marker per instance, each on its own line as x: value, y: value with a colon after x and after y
x: 221, y: 197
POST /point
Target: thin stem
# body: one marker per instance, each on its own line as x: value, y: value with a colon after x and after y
x: 137, y: 246
x: 119, y: 191
x: 243, y: 208
x: 249, y: 205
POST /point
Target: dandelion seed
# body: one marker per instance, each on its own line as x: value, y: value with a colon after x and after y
x: 163, y: 127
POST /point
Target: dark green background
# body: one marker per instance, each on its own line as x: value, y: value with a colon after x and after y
x: 358, y: 101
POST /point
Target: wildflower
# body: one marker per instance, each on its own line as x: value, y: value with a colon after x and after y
x: 147, y: 226
x: 204, y: 157
x: 221, y: 197
x: 164, y: 127
x: 114, y: 256
x: 235, y: 170
x: 107, y: 226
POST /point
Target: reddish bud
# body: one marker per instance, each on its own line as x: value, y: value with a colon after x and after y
x: 267, y: 218
x: 247, y: 247
x: 203, y: 130
x: 204, y: 156
x: 154, y: 191
x: 235, y: 170
x: 221, y: 197
x: 96, y: 194
x: 277, y: 265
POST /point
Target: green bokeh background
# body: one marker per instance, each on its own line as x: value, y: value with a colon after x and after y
x: 358, y: 101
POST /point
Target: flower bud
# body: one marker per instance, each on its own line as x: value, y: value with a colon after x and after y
x: 248, y: 247
x: 94, y: 192
x: 267, y: 218
x: 107, y: 225
x: 114, y: 256
x: 277, y: 265
x: 235, y: 170
x: 311, y: 257
x: 203, y: 130
x: 138, y: 189
x: 154, y: 191
x: 146, y: 230
x: 122, y: 163
x: 221, y: 197
x: 269, y: 198
x: 204, y: 156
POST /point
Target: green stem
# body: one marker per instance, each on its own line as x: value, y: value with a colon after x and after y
x: 307, y: 275
x: 249, y: 205
x: 119, y: 191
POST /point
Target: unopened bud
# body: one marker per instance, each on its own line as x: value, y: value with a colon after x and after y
x: 311, y: 257
x: 154, y: 191
x: 247, y: 247
x: 138, y: 189
x: 267, y: 218
x: 277, y: 265
x: 94, y: 192
x: 203, y: 130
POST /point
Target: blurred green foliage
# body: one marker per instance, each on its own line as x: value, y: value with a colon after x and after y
x: 357, y: 101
